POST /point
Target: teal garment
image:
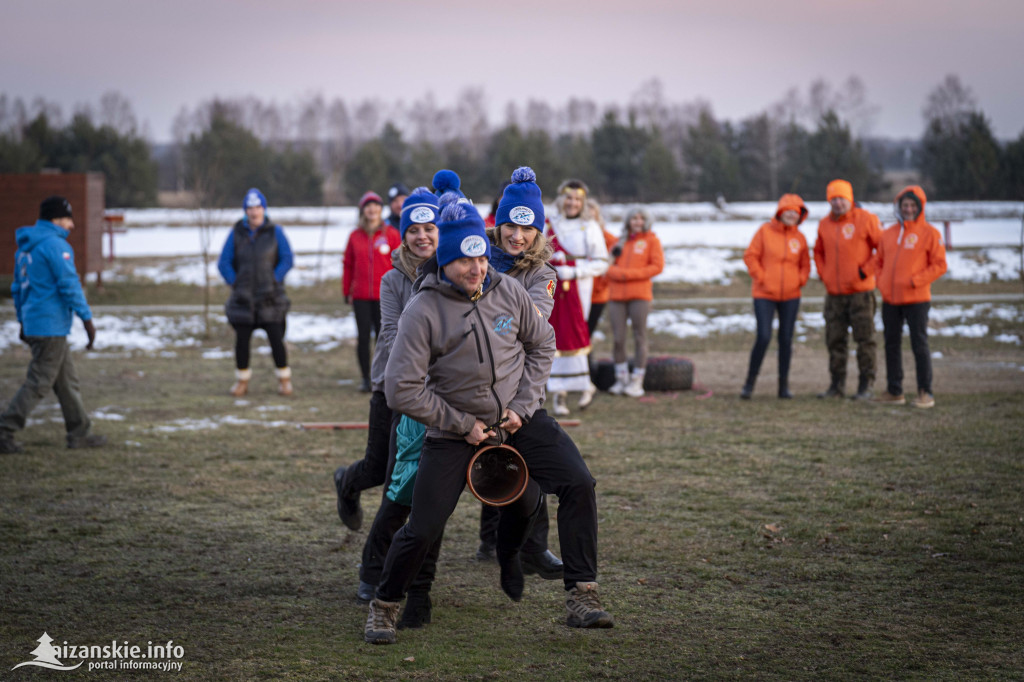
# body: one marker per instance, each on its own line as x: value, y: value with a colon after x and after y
x: 409, y: 437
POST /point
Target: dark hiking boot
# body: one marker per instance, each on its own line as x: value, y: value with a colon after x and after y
x: 584, y: 608
x: 380, y: 622
x: 863, y: 391
x: 512, y: 580
x: 831, y: 392
x: 349, y: 510
x: 545, y: 564
x: 416, y: 613
x: 7, y: 444
x: 91, y: 441
x: 365, y: 592
x: 784, y: 393
x: 746, y: 391
x: 485, y: 552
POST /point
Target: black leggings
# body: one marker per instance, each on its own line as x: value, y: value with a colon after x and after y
x: 367, y: 318
x: 275, y: 334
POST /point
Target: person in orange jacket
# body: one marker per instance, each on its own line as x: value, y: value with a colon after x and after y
x: 844, y: 255
x: 638, y: 259
x: 779, y: 265
x: 910, y: 257
x: 599, y: 297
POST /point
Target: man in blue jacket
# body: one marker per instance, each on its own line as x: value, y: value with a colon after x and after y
x: 46, y: 293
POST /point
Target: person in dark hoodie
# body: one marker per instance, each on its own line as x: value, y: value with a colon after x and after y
x: 397, y: 194
x: 254, y: 261
x: 471, y: 350
x: 47, y: 292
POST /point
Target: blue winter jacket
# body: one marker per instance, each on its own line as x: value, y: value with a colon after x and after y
x: 46, y: 288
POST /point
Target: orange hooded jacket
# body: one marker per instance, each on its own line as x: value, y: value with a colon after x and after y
x: 777, y: 258
x: 629, y: 278
x: 600, y: 293
x: 910, y: 257
x: 845, y: 247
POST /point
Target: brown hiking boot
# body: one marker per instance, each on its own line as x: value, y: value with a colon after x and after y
x: 381, y: 622
x: 241, y: 387
x: 886, y: 398
x: 923, y: 400
x: 284, y: 381
x: 584, y: 608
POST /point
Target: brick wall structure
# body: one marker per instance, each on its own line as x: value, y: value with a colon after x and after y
x: 20, y: 196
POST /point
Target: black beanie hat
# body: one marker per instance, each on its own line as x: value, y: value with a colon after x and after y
x: 54, y: 207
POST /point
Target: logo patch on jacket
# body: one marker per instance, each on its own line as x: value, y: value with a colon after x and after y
x: 910, y: 241
x: 503, y: 324
x: 794, y: 245
x: 848, y: 230
x: 551, y: 288
x: 381, y: 244
x: 640, y: 246
x: 66, y: 255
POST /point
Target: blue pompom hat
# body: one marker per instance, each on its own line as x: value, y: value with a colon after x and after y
x: 461, y: 231
x: 420, y: 207
x: 254, y: 197
x: 447, y: 181
x: 521, y: 203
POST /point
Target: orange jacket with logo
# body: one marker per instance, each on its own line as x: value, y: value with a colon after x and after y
x: 777, y: 258
x: 845, y: 247
x: 910, y: 257
x: 600, y: 293
x: 629, y: 278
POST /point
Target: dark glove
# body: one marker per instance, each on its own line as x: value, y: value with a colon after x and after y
x: 21, y: 334
x: 348, y: 300
x: 90, y: 330
x: 861, y: 273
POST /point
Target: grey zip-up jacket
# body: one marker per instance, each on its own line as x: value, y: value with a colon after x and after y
x: 454, y: 360
x: 396, y: 288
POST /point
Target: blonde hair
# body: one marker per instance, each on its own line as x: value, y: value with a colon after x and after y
x: 536, y: 255
x: 586, y: 212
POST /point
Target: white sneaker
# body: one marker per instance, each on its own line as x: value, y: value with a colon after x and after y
x: 621, y: 379
x: 587, y: 396
x: 561, y: 408
x: 635, y: 389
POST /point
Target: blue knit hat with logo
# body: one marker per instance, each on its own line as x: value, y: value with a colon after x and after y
x: 418, y: 208
x: 254, y: 198
x: 521, y: 203
x: 461, y: 231
x: 447, y: 181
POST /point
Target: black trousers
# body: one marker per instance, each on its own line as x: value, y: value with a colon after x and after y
x: 391, y: 516
x: 555, y: 465
x: 275, y: 335
x: 367, y: 319
x: 916, y: 317
x: 537, y: 541
x: 372, y: 469
x: 595, y: 316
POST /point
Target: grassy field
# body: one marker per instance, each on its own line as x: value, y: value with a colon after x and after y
x: 766, y: 539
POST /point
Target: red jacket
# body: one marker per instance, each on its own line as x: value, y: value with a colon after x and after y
x: 629, y: 278
x: 910, y: 257
x: 844, y: 246
x: 367, y: 257
x: 777, y: 258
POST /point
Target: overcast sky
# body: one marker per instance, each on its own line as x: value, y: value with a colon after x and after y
x: 740, y: 55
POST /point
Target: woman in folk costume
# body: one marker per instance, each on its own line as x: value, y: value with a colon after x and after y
x: 580, y: 255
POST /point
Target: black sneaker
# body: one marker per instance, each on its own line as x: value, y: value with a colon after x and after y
x: 91, y: 441
x: 545, y: 564
x: 485, y: 552
x: 831, y: 392
x: 511, y: 579
x: 584, y: 608
x: 365, y: 592
x: 7, y: 444
x: 349, y: 510
x: 416, y: 613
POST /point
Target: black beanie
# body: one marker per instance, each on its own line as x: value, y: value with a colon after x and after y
x: 54, y: 207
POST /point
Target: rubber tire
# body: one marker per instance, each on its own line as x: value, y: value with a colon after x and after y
x: 602, y: 373
x: 668, y: 373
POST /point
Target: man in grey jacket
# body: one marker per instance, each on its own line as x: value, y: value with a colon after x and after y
x: 471, y: 351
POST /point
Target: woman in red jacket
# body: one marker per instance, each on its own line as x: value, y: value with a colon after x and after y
x: 367, y: 257
x: 779, y: 264
x: 638, y: 259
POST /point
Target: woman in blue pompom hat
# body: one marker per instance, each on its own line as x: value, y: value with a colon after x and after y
x: 254, y: 261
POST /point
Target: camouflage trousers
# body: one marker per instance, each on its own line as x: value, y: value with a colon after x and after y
x: 842, y: 313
